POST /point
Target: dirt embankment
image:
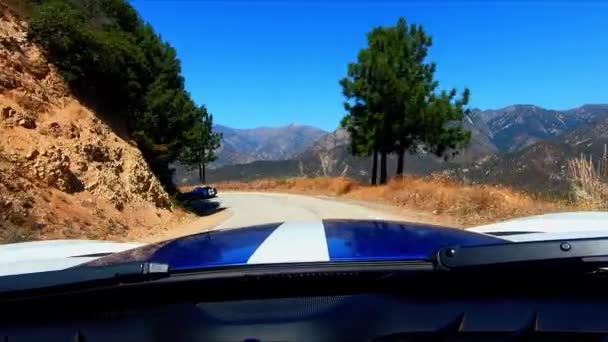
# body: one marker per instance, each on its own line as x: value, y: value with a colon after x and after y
x: 63, y: 172
x: 467, y: 205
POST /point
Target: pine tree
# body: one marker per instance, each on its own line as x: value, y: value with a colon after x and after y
x: 201, y: 145
x: 392, y: 102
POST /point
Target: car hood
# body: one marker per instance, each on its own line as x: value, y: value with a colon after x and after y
x: 303, y: 242
x: 307, y: 241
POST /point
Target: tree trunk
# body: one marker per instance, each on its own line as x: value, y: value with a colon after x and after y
x: 383, y: 167
x: 201, y: 176
x: 375, y: 167
x: 401, y: 156
x: 204, y: 175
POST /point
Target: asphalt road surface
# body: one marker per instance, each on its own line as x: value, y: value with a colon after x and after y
x: 252, y: 208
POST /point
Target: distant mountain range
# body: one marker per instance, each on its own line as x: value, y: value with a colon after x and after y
x: 542, y: 166
x: 240, y: 146
x: 512, y: 128
x: 525, y: 146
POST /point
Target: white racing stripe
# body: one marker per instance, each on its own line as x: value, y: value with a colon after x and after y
x: 293, y: 242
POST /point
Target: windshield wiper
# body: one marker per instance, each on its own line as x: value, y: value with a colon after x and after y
x: 580, y: 252
x: 98, y: 277
x: 81, y: 276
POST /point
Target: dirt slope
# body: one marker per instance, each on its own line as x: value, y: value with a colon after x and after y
x: 63, y: 172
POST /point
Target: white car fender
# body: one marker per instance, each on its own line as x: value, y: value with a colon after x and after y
x: 51, y: 255
x: 556, y: 226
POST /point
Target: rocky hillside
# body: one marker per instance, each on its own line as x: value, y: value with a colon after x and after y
x: 542, y: 166
x: 513, y: 128
x: 589, y: 139
x: 63, y: 171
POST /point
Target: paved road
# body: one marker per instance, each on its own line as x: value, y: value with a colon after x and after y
x: 251, y: 208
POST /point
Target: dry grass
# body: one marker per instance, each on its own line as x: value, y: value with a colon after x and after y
x: 319, y: 185
x: 590, y: 181
x: 468, y: 204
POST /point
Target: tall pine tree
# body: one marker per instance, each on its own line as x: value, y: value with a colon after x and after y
x: 392, y: 102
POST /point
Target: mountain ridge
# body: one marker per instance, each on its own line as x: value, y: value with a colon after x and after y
x: 264, y: 143
x: 525, y: 139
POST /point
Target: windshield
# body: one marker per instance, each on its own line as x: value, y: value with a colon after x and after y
x: 125, y: 123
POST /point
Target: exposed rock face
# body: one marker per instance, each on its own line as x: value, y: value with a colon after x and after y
x: 93, y: 152
x: 11, y: 117
x: 16, y: 203
x: 121, y: 175
x: 53, y: 167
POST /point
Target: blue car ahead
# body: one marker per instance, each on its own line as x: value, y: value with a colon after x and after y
x: 200, y: 192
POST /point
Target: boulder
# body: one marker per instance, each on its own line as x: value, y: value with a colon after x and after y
x: 73, y: 132
x: 54, y: 129
x: 117, y: 201
x: 8, y: 82
x: 94, y: 152
x: 8, y: 112
x: 82, y: 166
x: 26, y: 121
x: 39, y: 69
x: 32, y: 154
x: 53, y: 167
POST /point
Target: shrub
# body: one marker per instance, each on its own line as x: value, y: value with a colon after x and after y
x: 589, y: 181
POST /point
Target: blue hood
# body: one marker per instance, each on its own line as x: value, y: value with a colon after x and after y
x: 328, y: 240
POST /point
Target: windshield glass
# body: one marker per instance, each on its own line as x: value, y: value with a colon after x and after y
x: 129, y: 122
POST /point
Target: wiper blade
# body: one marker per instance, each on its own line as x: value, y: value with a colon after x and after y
x: 581, y: 251
x: 83, y: 275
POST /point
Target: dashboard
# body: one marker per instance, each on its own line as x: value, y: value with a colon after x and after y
x: 463, y: 308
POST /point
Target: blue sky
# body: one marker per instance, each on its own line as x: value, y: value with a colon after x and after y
x: 270, y: 63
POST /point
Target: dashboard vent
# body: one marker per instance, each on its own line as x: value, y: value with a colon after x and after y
x: 456, y: 331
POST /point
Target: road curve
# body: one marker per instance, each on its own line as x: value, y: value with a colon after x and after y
x: 252, y: 208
